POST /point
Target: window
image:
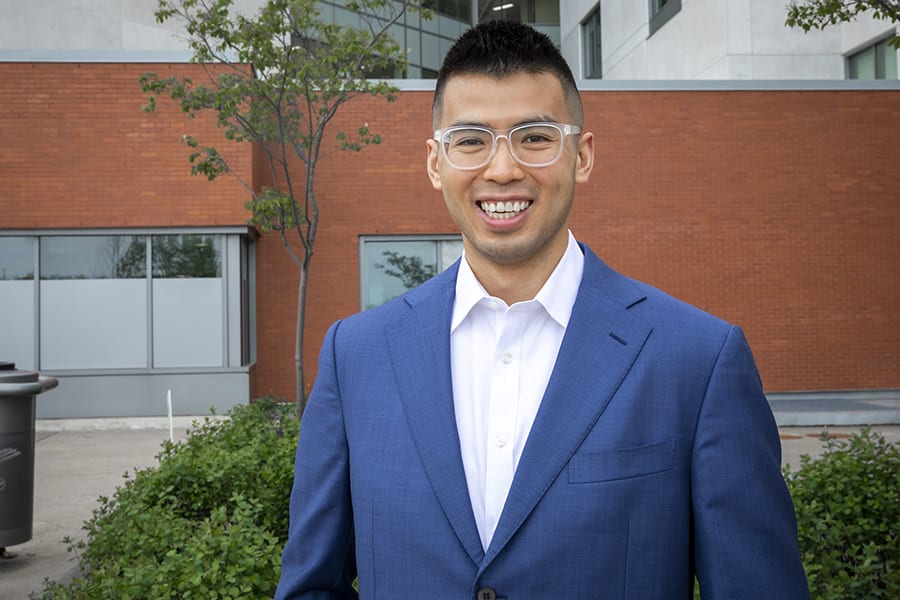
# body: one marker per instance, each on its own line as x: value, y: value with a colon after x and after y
x: 543, y: 15
x: 878, y: 61
x: 145, y: 300
x: 17, y: 301
x: 390, y: 265
x: 93, y: 302
x: 661, y: 11
x: 425, y: 41
x: 187, y: 300
x: 590, y: 35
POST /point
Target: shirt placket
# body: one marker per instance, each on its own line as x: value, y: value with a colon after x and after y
x: 504, y: 393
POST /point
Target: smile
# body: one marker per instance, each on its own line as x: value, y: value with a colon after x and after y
x: 504, y: 210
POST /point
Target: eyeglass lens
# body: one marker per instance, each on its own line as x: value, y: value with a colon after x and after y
x: 532, y: 145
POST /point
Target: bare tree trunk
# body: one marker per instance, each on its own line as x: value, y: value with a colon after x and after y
x: 298, y: 342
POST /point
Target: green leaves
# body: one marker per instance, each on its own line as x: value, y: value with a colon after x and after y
x: 848, y: 516
x: 209, y: 522
x: 819, y: 14
x: 274, y: 211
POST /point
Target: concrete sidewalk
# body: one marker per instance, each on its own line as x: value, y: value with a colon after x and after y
x: 78, y: 461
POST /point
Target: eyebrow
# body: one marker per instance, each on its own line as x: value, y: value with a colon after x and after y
x: 530, y: 119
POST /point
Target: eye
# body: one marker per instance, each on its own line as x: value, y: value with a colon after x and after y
x: 468, y: 139
x: 537, y: 136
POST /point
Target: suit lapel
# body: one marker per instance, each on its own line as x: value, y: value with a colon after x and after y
x: 419, y: 345
x: 600, y: 346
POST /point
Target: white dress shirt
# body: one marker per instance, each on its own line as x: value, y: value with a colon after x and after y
x: 501, y: 359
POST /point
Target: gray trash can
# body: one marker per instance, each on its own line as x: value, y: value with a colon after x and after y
x: 17, y: 393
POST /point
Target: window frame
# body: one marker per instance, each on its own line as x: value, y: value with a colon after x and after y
x: 587, y: 49
x: 424, y: 237
x: 660, y: 15
x: 879, y: 47
x: 238, y: 272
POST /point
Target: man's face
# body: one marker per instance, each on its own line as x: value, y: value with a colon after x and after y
x: 534, y: 235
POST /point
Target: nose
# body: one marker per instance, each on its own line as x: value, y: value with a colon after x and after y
x: 503, y: 166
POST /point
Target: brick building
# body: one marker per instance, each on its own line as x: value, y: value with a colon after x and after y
x: 774, y: 208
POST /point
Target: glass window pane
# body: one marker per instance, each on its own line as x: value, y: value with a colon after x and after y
x: 93, y: 302
x: 16, y: 258
x: 186, y: 256
x: 862, y: 64
x: 17, y: 301
x: 94, y: 257
x: 592, y: 49
x: 188, y: 313
x: 187, y: 323
x: 890, y: 60
x: 392, y: 267
x: 450, y: 251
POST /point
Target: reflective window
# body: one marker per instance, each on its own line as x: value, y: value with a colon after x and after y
x: 126, y: 301
x: 188, y: 255
x: 94, y: 257
x: 878, y: 61
x: 590, y: 36
x: 661, y: 11
x: 188, y: 309
x: 533, y: 12
x: 16, y: 258
x: 424, y: 53
x: 392, y: 265
x: 17, y: 301
x: 93, y: 302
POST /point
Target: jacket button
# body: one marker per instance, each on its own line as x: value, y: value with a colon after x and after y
x: 485, y: 593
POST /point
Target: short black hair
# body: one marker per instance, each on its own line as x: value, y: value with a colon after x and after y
x: 501, y: 48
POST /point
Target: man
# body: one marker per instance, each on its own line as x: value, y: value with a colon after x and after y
x: 529, y: 424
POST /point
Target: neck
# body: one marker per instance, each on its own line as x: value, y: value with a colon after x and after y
x: 515, y: 282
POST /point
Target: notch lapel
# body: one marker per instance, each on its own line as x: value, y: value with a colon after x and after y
x: 419, y: 346
x: 598, y: 350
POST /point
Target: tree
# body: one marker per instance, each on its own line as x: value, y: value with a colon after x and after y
x: 277, y: 80
x: 819, y: 14
x: 410, y: 270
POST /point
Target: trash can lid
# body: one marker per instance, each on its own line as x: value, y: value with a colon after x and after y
x: 9, y: 374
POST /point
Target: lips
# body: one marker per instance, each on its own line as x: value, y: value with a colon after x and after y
x: 504, y: 210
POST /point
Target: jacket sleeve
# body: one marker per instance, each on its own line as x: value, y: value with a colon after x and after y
x: 318, y: 559
x: 745, y: 530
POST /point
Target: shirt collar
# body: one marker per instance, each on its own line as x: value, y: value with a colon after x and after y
x: 557, y: 295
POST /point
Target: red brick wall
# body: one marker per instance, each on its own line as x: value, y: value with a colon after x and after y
x: 776, y: 210
x: 77, y: 151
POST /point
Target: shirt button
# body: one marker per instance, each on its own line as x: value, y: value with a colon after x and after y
x: 506, y: 357
x: 500, y: 441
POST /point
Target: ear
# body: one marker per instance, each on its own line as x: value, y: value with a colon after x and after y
x: 584, y: 160
x: 431, y: 164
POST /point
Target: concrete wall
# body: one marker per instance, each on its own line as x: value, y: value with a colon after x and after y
x: 716, y: 39
x: 92, y: 29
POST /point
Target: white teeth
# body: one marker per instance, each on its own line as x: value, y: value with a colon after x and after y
x: 504, y: 210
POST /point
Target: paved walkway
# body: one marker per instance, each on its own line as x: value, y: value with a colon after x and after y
x: 75, y: 464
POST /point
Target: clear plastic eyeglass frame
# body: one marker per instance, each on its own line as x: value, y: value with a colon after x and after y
x: 564, y: 130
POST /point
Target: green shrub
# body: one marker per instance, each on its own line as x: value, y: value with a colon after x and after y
x: 209, y: 522
x: 848, y: 517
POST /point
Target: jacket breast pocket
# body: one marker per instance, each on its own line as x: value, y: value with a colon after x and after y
x: 622, y: 463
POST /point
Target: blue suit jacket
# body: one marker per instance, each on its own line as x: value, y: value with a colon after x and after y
x: 654, y: 457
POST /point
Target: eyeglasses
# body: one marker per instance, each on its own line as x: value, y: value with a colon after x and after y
x: 469, y: 147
